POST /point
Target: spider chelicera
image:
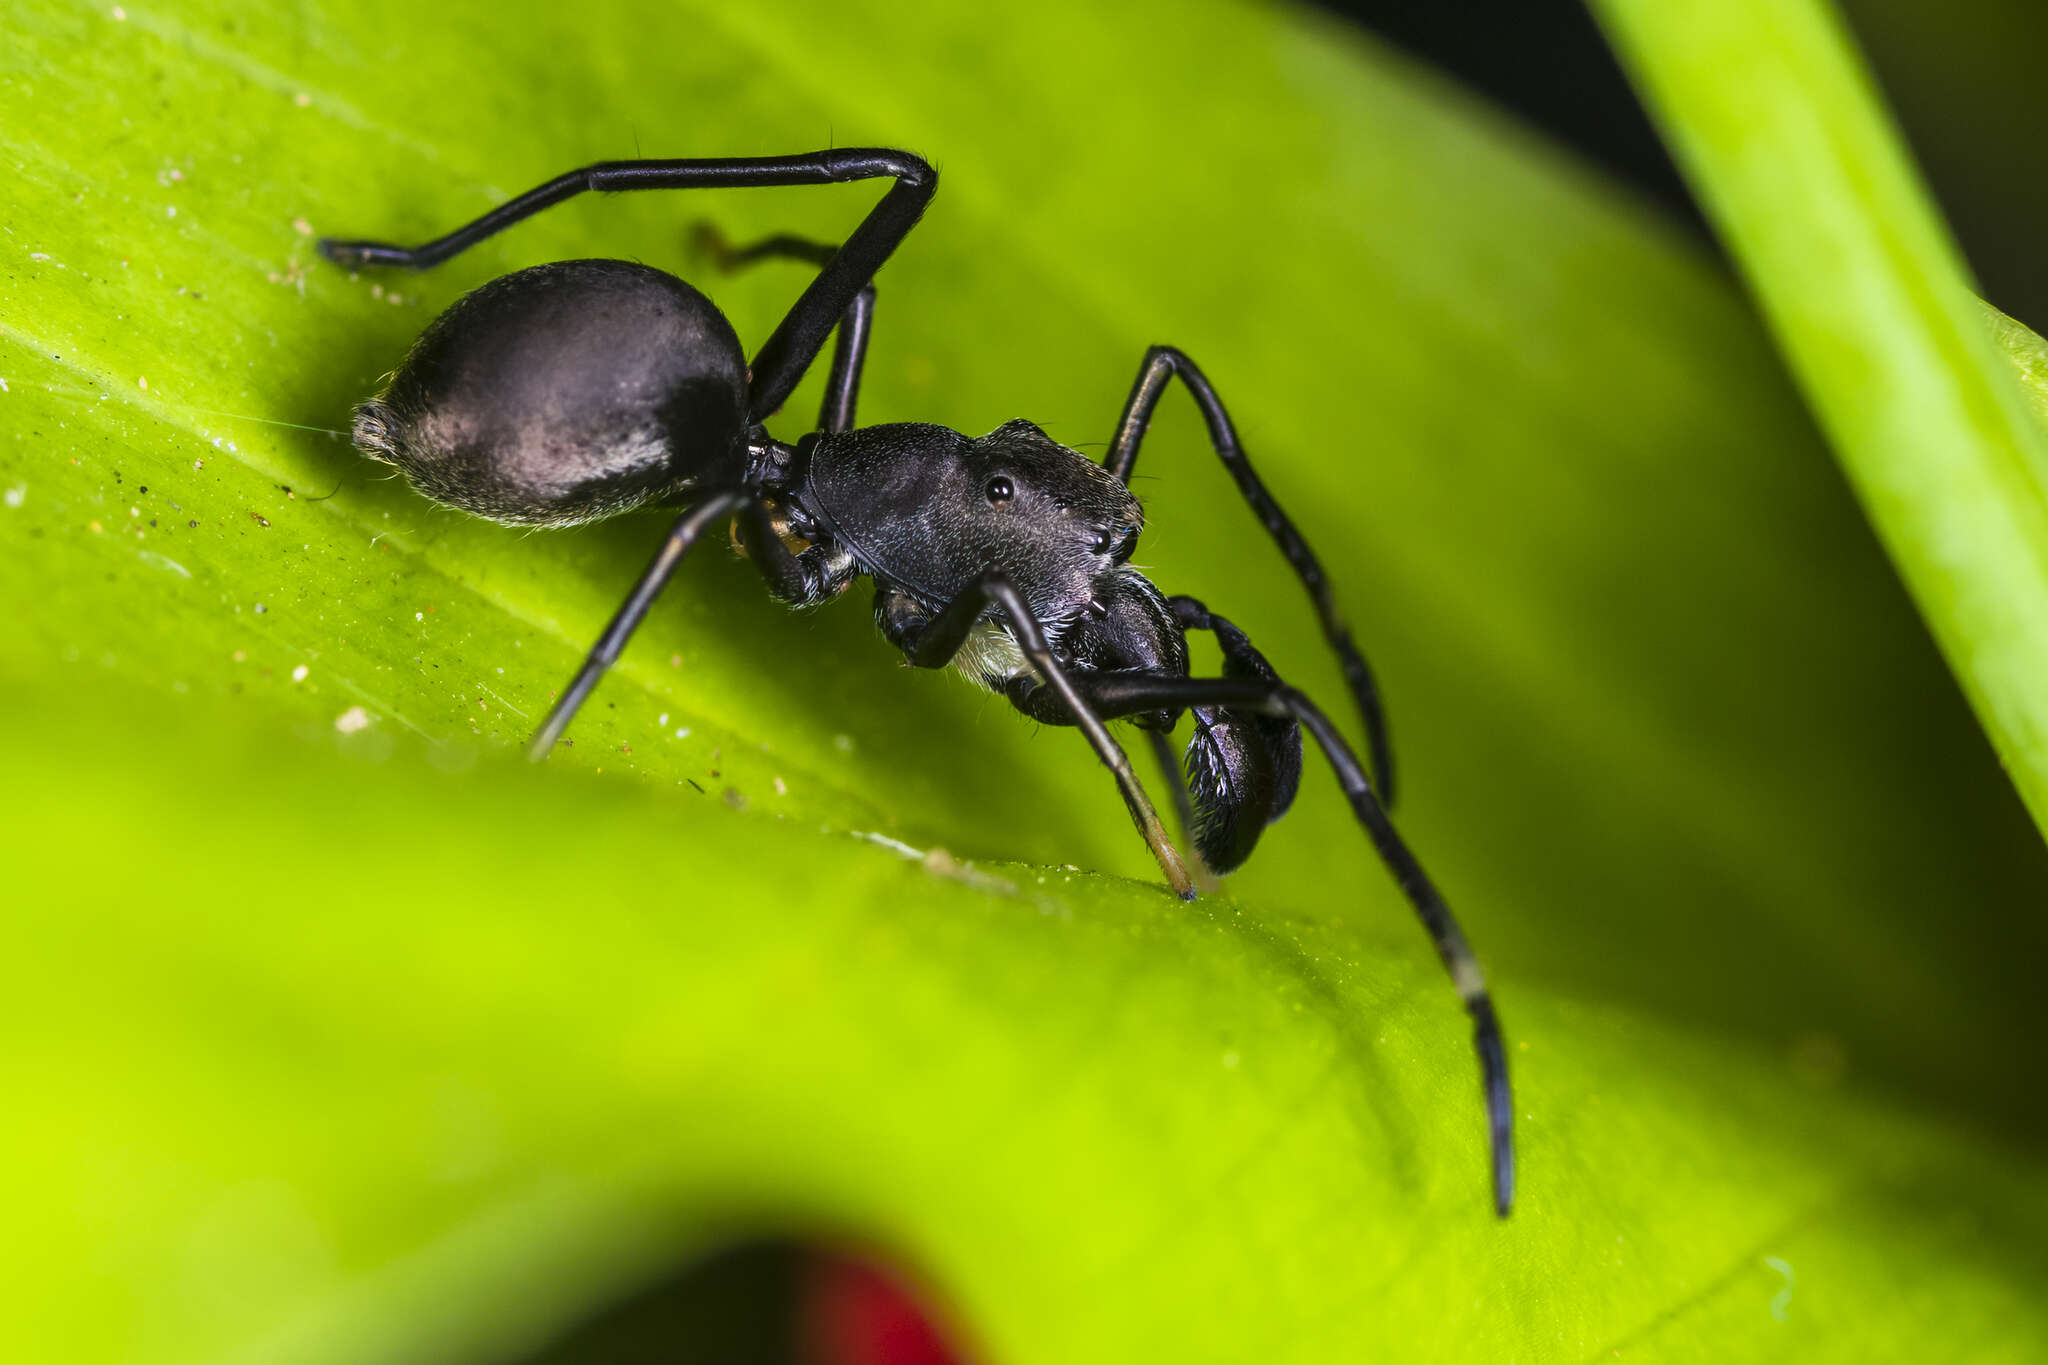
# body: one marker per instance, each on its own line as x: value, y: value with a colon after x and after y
x: 581, y: 389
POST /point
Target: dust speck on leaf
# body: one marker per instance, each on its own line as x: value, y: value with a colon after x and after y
x: 940, y: 863
x: 893, y: 845
x: 1781, y: 1302
x: 164, y: 562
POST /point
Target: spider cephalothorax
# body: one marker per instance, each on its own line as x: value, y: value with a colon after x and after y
x: 577, y: 390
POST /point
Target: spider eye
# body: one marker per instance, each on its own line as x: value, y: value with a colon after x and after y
x: 1117, y: 544
x: 999, y: 489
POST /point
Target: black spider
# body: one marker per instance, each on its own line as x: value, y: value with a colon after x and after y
x: 578, y: 390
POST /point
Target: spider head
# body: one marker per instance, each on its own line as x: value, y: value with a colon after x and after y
x: 932, y: 510
x: 1054, y: 520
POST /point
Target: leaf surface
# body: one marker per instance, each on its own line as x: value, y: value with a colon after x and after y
x: 383, y: 1045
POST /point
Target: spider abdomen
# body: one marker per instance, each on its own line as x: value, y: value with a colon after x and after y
x: 566, y: 393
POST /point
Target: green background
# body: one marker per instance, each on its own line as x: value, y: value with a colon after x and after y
x: 383, y: 1045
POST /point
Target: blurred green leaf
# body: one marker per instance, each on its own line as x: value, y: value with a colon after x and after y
x: 382, y: 1045
x: 1781, y: 130
x: 2029, y: 355
x: 364, y: 1064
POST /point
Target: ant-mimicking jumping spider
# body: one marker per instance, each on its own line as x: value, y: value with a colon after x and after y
x: 578, y: 390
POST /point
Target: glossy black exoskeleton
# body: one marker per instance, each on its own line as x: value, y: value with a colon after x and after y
x: 581, y: 389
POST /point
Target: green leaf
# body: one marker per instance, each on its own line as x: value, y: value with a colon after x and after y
x: 2029, y: 354
x: 1784, y: 136
x: 365, y: 1065
x: 383, y: 1045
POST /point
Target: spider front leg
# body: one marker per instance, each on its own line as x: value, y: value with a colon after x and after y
x: 1163, y: 363
x: 1109, y: 695
x: 932, y: 642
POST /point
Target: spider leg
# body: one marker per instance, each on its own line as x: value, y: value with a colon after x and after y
x: 934, y: 642
x: 1163, y: 363
x: 1109, y: 695
x: 849, y: 352
x: 790, y: 577
x: 1183, y: 809
x: 788, y: 352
